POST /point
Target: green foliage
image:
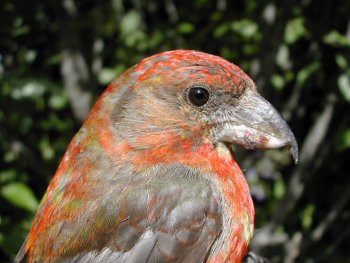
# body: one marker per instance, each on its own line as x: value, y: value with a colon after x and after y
x: 246, y: 28
x: 186, y: 28
x: 344, y: 86
x: 334, y: 38
x: 297, y: 53
x: 345, y: 140
x: 20, y: 195
x: 279, y: 189
x: 295, y: 30
x: 106, y: 75
x: 307, y: 216
x: 306, y: 73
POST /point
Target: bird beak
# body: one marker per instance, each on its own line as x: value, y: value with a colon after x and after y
x: 255, y: 124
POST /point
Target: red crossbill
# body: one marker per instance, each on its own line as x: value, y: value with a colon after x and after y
x: 150, y: 176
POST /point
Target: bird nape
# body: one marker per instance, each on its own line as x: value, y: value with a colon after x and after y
x: 150, y: 177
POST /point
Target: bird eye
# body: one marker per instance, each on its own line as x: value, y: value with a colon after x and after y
x: 198, y: 96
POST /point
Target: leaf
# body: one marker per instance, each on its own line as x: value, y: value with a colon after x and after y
x: 283, y: 58
x: 131, y: 30
x: 306, y: 72
x: 47, y: 152
x: 277, y: 81
x: 19, y: 28
x: 295, y: 29
x: 345, y: 140
x: 20, y: 195
x: 130, y: 23
x: 29, y: 89
x: 106, y: 75
x: 221, y: 30
x: 7, y: 176
x: 30, y: 56
x: 186, y: 28
x: 344, y: 86
x: 58, y: 101
x: 334, y: 38
x: 307, y: 216
x: 245, y: 27
x: 279, y: 189
x: 341, y: 61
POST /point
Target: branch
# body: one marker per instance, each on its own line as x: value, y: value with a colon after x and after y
x: 75, y: 73
x: 292, y: 248
x: 308, y: 152
x: 330, y: 250
x: 302, y: 173
x: 74, y: 69
x: 319, y: 231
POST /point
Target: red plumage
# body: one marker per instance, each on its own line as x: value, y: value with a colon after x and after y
x: 150, y: 176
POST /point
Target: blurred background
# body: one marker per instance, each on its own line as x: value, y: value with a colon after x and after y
x: 56, y: 58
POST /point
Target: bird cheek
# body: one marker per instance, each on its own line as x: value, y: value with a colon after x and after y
x: 187, y: 111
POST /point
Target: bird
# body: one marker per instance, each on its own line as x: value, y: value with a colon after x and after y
x: 151, y: 175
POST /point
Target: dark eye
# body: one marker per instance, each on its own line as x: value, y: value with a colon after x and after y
x: 198, y: 96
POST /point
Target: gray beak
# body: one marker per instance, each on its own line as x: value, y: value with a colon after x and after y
x: 255, y: 124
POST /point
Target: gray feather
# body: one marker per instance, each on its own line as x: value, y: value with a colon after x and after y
x: 176, y: 229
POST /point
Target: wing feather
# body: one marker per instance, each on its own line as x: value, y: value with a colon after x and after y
x: 172, y: 217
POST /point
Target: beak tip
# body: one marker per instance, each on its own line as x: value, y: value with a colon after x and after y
x: 294, y: 151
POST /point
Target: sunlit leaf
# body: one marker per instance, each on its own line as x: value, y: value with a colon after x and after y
x: 344, y: 86
x: 344, y: 140
x: 334, y: 38
x: 279, y: 189
x: 7, y: 176
x: 30, y: 56
x: 19, y: 195
x: 46, y: 149
x: 245, y: 27
x: 58, y: 101
x: 221, y: 30
x: 186, y: 28
x: 282, y: 57
x: 131, y: 30
x: 341, y: 61
x: 155, y: 39
x: 307, y: 216
x: 306, y: 72
x: 20, y: 28
x: 106, y: 75
x: 29, y: 89
x: 130, y: 23
x: 277, y: 81
x: 295, y: 29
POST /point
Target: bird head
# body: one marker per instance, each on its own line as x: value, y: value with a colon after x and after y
x: 179, y: 100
